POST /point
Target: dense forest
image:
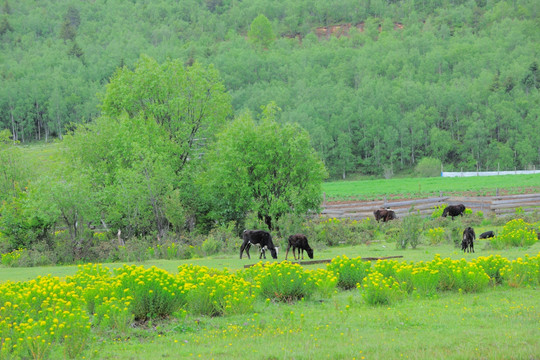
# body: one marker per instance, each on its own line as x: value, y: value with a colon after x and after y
x: 377, y: 84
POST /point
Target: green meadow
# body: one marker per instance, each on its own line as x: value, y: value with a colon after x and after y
x: 497, y: 323
x: 420, y: 187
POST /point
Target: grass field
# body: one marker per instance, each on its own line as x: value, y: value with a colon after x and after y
x: 498, y: 323
x: 420, y: 187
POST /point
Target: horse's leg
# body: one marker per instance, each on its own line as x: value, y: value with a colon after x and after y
x: 287, y: 253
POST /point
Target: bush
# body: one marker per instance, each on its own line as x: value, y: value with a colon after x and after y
x: 438, y: 211
x: 492, y: 265
x: 350, y: 272
x: 211, y: 246
x: 11, y: 259
x: 435, y: 235
x: 522, y: 272
x: 428, y: 167
x: 515, y: 233
x: 155, y: 292
x: 377, y: 289
x: 219, y: 294
x: 283, y: 281
x: 411, y: 230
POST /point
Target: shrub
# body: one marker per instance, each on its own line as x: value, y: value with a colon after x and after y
x: 11, y: 259
x: 211, y: 246
x: 437, y: 213
x: 428, y: 167
x: 155, y: 292
x: 283, y: 281
x: 410, y: 232
x: 379, y: 290
x: 37, y: 314
x: 325, y: 282
x: 492, y: 265
x: 515, y: 233
x: 217, y: 294
x: 435, y: 235
x: 459, y: 274
x: 350, y: 272
x: 522, y: 271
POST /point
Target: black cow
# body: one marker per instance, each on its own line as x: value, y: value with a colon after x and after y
x: 453, y: 210
x: 487, y: 234
x: 384, y: 215
x: 260, y: 238
x: 299, y: 242
x: 467, y: 244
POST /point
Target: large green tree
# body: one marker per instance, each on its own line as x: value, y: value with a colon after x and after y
x: 156, y: 122
x: 189, y: 103
x: 265, y: 168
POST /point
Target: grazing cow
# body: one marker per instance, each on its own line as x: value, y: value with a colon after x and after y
x: 260, y: 238
x: 453, y: 210
x: 299, y: 242
x: 384, y: 215
x: 467, y: 244
x: 487, y: 234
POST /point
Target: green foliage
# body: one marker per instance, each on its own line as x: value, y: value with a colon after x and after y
x: 334, y: 231
x: 349, y: 272
x: 380, y: 290
x: 411, y: 231
x: 266, y: 168
x: 435, y: 235
x: 432, y: 78
x: 428, y: 167
x: 10, y: 259
x: 493, y: 265
x: 281, y: 281
x: 24, y: 220
x: 220, y: 295
x: 155, y: 292
x: 522, y: 272
x: 136, y: 153
x: 515, y: 233
x: 260, y: 31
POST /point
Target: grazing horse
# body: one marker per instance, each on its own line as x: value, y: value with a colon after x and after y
x: 467, y: 244
x: 384, y: 215
x: 261, y: 238
x: 487, y: 234
x: 453, y: 210
x: 299, y: 242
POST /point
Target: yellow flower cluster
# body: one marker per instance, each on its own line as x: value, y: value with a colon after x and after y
x: 516, y: 232
x: 39, y: 313
x: 350, y: 272
x: 283, y: 281
x: 378, y: 289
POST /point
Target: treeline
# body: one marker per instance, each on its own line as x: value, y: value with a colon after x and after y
x: 456, y: 81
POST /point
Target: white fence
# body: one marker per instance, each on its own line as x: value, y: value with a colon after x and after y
x: 486, y: 173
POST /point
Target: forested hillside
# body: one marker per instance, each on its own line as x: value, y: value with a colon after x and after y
x: 452, y: 80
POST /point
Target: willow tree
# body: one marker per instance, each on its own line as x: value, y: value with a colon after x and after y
x: 156, y: 119
x: 264, y: 167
